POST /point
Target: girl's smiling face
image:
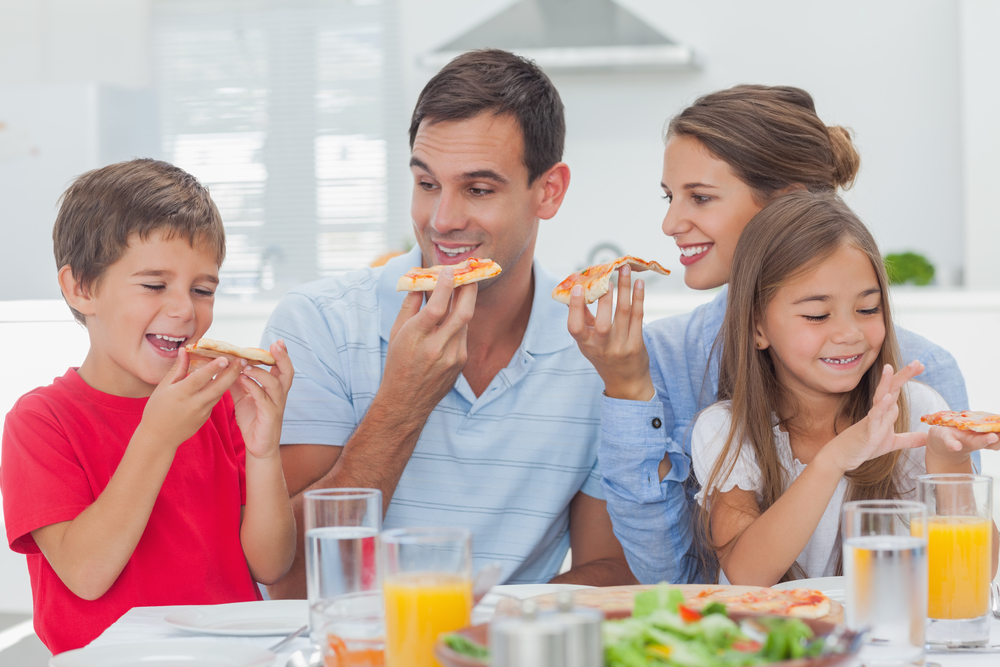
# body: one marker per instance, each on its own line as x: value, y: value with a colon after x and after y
x: 824, y: 329
x: 709, y: 207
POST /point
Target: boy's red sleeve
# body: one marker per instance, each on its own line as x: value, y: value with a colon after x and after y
x: 41, y: 478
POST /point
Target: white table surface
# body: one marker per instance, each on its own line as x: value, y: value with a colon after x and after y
x: 144, y: 624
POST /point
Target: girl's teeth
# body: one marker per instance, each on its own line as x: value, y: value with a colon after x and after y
x: 691, y: 251
x: 841, y: 361
x: 170, y: 338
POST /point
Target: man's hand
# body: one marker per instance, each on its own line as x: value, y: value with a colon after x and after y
x: 182, y: 403
x: 614, y: 345
x: 259, y: 398
x: 427, y: 346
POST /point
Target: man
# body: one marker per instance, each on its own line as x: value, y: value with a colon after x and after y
x: 475, y: 409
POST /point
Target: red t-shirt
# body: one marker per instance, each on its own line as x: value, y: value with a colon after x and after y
x: 61, y: 445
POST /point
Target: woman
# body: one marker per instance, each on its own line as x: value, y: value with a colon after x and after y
x: 727, y: 156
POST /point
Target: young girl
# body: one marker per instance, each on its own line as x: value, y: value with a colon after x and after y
x: 810, y: 413
x: 727, y: 156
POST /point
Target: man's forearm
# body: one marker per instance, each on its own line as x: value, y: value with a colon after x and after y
x: 603, y: 572
x: 375, y: 456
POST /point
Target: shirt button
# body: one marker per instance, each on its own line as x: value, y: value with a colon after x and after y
x: 657, y: 423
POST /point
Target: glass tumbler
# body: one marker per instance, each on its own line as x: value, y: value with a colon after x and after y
x: 428, y: 590
x: 341, y: 528
x: 959, y: 555
x: 885, y: 570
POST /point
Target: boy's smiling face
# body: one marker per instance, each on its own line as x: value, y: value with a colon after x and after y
x: 155, y: 299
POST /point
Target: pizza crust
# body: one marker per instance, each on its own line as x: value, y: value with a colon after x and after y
x: 966, y: 420
x: 472, y: 270
x: 802, y: 603
x: 596, y: 280
x: 206, y: 347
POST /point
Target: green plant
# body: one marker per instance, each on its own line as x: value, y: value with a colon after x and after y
x: 908, y: 267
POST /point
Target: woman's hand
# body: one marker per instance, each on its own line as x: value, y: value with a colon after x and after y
x: 614, y: 345
x: 875, y: 435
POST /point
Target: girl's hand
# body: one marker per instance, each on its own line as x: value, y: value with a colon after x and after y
x: 875, y: 435
x: 948, y: 447
x: 259, y: 398
x: 614, y: 345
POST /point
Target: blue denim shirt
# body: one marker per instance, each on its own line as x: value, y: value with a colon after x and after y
x: 653, y: 519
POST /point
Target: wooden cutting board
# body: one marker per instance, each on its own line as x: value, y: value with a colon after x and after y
x: 620, y: 598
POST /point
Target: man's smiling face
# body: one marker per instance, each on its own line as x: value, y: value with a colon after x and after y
x: 471, y: 196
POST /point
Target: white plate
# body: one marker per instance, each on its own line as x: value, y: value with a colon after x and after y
x: 831, y: 587
x: 246, y: 619
x: 176, y: 653
x: 483, y: 612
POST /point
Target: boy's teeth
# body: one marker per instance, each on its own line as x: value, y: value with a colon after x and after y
x: 691, y: 251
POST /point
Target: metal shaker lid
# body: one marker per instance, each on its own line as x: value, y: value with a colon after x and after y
x: 529, y: 640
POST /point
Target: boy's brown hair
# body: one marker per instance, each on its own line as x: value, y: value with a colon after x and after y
x: 105, y: 208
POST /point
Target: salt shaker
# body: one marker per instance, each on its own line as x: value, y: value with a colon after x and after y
x: 584, y: 640
x: 528, y: 640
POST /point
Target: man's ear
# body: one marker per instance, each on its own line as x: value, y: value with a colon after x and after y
x: 78, y: 297
x: 555, y: 182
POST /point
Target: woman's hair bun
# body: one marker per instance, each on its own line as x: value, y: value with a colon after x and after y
x: 846, y: 161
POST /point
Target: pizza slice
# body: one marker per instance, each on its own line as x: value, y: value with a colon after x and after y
x: 596, y: 280
x: 472, y: 270
x: 207, y: 349
x: 966, y: 420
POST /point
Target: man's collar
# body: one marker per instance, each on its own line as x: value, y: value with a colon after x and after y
x: 546, y: 332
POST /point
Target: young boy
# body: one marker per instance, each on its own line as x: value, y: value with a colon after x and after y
x: 128, y: 482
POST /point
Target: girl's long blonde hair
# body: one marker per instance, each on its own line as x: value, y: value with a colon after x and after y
x: 789, y: 237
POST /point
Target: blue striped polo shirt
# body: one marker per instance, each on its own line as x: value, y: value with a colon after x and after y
x: 505, y: 465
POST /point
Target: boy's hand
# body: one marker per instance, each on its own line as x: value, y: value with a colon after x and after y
x: 259, y: 397
x: 182, y: 403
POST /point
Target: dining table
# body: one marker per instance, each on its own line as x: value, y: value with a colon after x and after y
x: 145, y: 625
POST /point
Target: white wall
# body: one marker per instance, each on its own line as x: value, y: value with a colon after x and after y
x: 889, y: 70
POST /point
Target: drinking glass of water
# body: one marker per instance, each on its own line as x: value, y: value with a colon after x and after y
x: 885, y: 567
x: 341, y: 551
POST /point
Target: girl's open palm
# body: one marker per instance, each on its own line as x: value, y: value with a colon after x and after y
x: 875, y: 435
x: 259, y: 399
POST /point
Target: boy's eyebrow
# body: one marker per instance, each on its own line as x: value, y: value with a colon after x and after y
x: 159, y: 273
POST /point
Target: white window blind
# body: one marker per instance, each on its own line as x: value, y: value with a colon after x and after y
x: 290, y: 111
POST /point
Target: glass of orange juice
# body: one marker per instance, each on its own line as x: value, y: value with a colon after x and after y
x: 959, y: 534
x: 427, y: 588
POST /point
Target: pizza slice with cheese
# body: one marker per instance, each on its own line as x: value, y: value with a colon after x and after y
x: 596, y: 280
x: 207, y: 349
x: 966, y: 420
x: 472, y: 270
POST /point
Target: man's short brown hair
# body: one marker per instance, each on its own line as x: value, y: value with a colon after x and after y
x: 105, y: 208
x: 505, y: 84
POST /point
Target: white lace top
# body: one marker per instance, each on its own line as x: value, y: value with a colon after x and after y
x: 819, y: 558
